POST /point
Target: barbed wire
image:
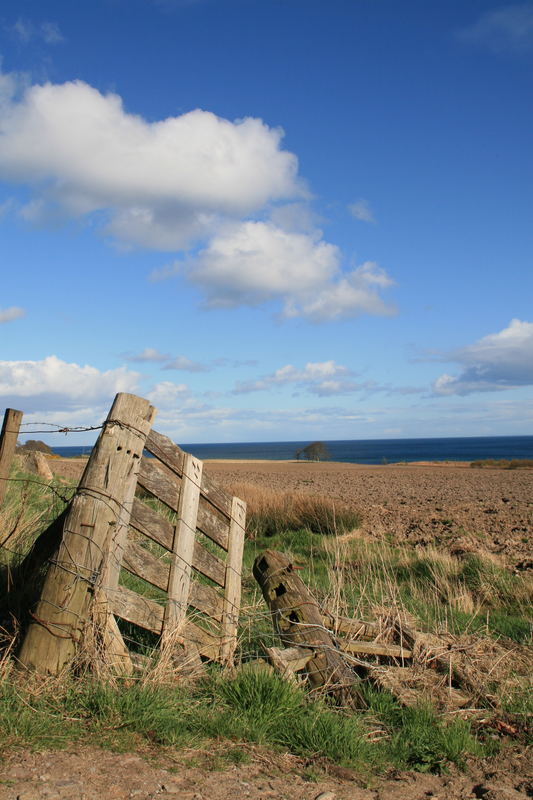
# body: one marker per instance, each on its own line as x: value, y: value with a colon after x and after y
x: 110, y: 561
x: 57, y: 428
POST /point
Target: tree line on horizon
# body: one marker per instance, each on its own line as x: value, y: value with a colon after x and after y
x: 316, y: 451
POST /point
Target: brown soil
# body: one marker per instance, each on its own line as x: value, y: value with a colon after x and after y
x: 461, y: 509
x: 444, y: 504
x: 91, y: 774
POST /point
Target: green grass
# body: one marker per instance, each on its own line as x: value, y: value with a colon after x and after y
x: 258, y: 708
x: 29, y: 506
x: 351, y: 576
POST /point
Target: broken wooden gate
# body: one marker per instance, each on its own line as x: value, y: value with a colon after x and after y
x: 160, y: 519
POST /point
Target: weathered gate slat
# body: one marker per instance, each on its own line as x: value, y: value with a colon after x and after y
x: 159, y: 482
x: 160, y: 530
x: 165, y: 451
x: 141, y: 562
x: 208, y: 643
x: 137, y: 609
x: 232, y: 594
x: 179, y: 582
x: 214, y: 527
x: 149, y: 615
x: 172, y: 456
x: 206, y: 599
x: 148, y: 522
x: 209, y: 565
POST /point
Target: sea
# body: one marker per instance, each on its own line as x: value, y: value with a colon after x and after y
x: 363, y: 451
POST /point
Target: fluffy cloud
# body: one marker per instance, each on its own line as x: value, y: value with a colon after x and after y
x: 9, y: 314
x: 257, y: 261
x: 506, y: 29
x: 362, y: 211
x: 321, y: 377
x: 161, y: 182
x: 351, y: 294
x: 498, y: 361
x: 55, y: 385
x: 168, y: 395
x: 191, y: 180
x: 254, y: 262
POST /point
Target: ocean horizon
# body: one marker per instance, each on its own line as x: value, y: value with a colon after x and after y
x: 360, y: 451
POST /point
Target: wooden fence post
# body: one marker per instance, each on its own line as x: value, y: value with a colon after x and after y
x: 8, y: 443
x: 100, y: 508
x: 298, y: 621
x: 232, y: 587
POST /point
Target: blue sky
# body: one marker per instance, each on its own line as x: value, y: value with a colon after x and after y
x: 277, y: 219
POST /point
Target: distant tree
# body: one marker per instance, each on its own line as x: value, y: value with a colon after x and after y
x: 298, y: 455
x: 316, y: 451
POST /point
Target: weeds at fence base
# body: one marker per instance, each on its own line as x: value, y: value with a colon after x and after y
x: 249, y: 709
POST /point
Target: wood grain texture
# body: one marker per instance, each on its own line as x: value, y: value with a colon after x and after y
x: 298, y: 621
x: 96, y: 512
x: 179, y: 582
x: 232, y: 590
x: 160, y: 530
x: 357, y: 628
x: 141, y: 611
x: 8, y: 444
x: 172, y: 457
x: 165, y: 451
x: 163, y: 484
x: 141, y: 562
x: 148, y: 522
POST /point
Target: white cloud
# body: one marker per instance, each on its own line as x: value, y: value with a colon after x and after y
x: 186, y: 364
x: 167, y: 395
x: 312, y: 376
x: 149, y: 354
x: 55, y: 385
x: 505, y: 29
x: 191, y: 180
x: 25, y: 31
x: 362, y: 211
x: 502, y: 360
x: 9, y: 314
x: 350, y: 295
x: 50, y: 33
x: 254, y: 262
x: 162, y: 183
x: 295, y: 217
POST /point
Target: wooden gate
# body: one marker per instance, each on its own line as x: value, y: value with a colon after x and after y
x: 158, y: 518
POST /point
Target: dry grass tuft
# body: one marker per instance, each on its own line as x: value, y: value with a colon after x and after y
x: 270, y: 512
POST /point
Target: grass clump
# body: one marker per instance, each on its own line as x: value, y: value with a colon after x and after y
x: 29, y: 506
x: 270, y: 513
x: 253, y: 707
x: 503, y: 463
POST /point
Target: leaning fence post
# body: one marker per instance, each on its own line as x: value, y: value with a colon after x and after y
x: 8, y: 443
x: 98, y: 512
